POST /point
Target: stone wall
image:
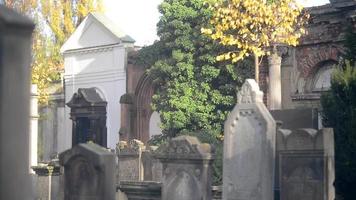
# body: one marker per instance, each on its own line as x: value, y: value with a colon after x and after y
x: 51, y: 123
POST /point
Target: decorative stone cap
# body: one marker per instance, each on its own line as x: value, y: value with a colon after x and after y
x: 46, y: 170
x: 127, y: 98
x: 305, y: 138
x: 134, y: 147
x: 250, y: 93
x: 93, y: 152
x: 13, y: 19
x: 185, y: 148
x: 86, y: 96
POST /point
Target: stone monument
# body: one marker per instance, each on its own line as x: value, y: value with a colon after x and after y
x: 129, y: 160
x: 186, y: 169
x: 15, y: 61
x: 306, y: 164
x: 89, y: 172
x: 249, y: 148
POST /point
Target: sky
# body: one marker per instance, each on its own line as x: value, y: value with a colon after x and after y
x: 138, y: 18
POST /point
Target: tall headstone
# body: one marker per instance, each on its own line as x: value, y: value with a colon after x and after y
x: 249, y: 148
x: 89, y: 172
x: 187, y: 169
x: 306, y: 164
x: 15, y: 61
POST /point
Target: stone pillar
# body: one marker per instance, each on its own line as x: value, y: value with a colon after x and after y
x: 274, y: 84
x: 249, y: 147
x: 34, y: 126
x: 15, y: 61
x: 187, y: 169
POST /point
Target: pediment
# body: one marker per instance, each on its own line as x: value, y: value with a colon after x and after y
x: 86, y: 97
x: 96, y: 30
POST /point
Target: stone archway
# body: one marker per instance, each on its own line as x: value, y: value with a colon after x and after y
x: 136, y: 110
x: 144, y: 92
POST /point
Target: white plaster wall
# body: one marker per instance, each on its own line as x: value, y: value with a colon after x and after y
x: 103, y: 69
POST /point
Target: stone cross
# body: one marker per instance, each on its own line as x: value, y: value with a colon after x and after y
x: 249, y: 148
x: 186, y: 169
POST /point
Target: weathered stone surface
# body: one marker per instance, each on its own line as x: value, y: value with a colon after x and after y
x: 297, y: 118
x: 249, y: 146
x: 89, y: 173
x: 130, y: 167
x: 15, y: 61
x: 152, y: 166
x: 306, y: 164
x: 135, y: 190
x: 186, y: 169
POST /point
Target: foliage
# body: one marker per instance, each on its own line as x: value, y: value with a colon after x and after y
x: 339, y: 110
x: 56, y: 20
x: 252, y: 26
x: 194, y: 92
x: 350, y: 46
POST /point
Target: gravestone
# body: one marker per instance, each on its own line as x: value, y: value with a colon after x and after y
x: 15, y: 61
x: 152, y: 166
x: 306, y: 167
x: 249, y: 148
x: 89, y: 173
x: 129, y: 160
x: 186, y: 169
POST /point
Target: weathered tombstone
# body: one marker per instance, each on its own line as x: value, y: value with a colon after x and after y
x: 89, y: 173
x: 15, y: 61
x: 249, y: 148
x: 306, y: 164
x: 129, y: 160
x: 152, y: 166
x: 186, y: 169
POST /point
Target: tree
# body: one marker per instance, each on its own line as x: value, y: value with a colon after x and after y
x: 339, y: 112
x: 194, y: 92
x: 251, y: 27
x: 55, y: 21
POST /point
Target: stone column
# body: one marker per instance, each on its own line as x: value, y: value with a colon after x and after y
x: 34, y: 126
x: 274, y: 84
x: 15, y: 61
x: 187, y: 169
x: 249, y: 147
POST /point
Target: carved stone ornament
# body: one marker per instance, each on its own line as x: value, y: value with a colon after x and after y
x: 185, y: 147
x: 133, y: 147
x: 250, y: 93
